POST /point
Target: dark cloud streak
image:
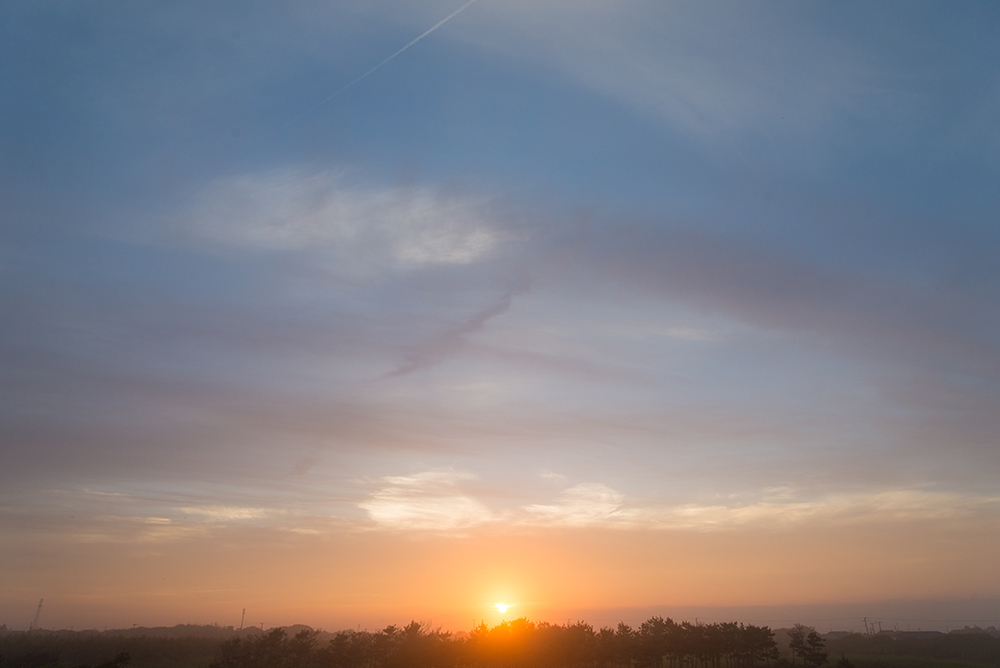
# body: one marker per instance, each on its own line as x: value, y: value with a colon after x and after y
x: 433, y: 350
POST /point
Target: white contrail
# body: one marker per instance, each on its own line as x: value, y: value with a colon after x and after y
x: 411, y: 43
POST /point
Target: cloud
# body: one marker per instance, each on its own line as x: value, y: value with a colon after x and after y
x: 82, y: 527
x: 786, y: 510
x: 227, y: 513
x: 586, y: 504
x: 690, y: 334
x: 866, y: 313
x: 435, y: 348
x: 430, y: 500
x: 295, y: 209
x: 668, y: 60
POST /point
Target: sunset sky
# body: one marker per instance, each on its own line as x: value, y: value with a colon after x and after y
x: 356, y: 312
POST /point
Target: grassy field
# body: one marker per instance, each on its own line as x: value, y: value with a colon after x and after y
x: 867, y: 661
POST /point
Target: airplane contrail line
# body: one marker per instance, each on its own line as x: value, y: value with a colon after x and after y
x: 372, y: 70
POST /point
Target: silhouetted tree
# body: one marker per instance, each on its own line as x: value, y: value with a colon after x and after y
x: 814, y: 653
x: 624, y: 645
x: 806, y: 643
x: 347, y: 649
x: 797, y: 641
x: 268, y: 650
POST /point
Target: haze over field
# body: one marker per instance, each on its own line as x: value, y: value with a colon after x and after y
x: 352, y: 313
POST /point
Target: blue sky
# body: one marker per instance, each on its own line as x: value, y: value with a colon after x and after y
x: 660, y: 269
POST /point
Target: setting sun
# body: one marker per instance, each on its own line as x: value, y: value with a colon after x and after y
x: 502, y: 607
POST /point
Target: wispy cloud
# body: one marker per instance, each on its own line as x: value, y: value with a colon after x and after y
x: 586, y: 504
x: 294, y: 209
x: 119, y: 529
x: 666, y: 62
x: 879, y: 506
x: 870, y: 314
x: 433, y: 349
x: 227, y: 513
x: 690, y: 334
x: 432, y: 501
x: 427, y: 500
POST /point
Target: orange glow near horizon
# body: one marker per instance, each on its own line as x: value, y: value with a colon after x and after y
x: 369, y: 579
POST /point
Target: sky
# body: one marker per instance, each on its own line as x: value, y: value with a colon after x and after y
x: 350, y: 313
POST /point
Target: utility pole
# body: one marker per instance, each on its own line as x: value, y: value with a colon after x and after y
x: 244, y: 616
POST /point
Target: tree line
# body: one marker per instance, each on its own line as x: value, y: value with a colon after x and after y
x: 970, y: 648
x: 83, y: 649
x: 657, y: 643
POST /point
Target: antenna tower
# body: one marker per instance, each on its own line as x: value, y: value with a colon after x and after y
x: 38, y: 614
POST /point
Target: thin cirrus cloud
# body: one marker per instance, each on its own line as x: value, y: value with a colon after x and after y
x: 293, y: 209
x: 834, y: 509
x: 868, y: 312
x: 84, y: 528
x: 435, y: 501
x: 228, y: 513
x: 586, y: 504
x: 667, y: 62
x: 426, y: 500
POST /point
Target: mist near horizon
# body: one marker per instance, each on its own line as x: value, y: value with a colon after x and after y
x: 879, y: 616
x: 370, y: 312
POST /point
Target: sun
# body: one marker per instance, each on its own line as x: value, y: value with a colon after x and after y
x: 502, y: 607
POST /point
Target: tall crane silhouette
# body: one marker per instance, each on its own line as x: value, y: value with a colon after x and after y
x: 38, y: 614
